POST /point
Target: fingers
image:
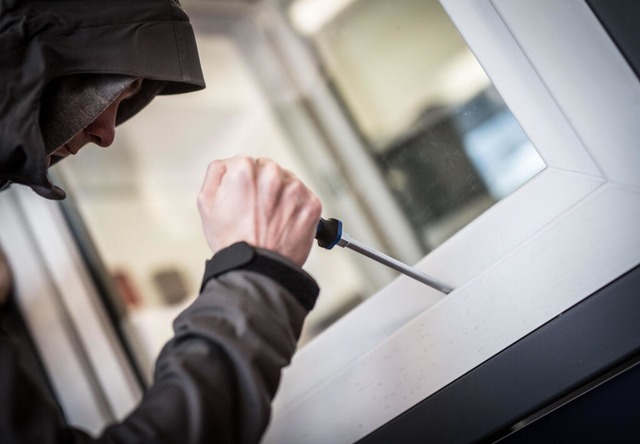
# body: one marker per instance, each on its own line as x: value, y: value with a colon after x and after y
x: 270, y: 183
x: 258, y: 201
x: 235, y: 171
x: 302, y: 212
x: 212, y: 179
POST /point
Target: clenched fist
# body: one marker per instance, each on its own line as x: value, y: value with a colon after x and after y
x: 259, y: 202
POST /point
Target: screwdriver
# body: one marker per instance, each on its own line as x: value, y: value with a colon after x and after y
x: 329, y: 234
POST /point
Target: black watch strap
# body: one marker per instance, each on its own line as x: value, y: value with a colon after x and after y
x: 242, y: 256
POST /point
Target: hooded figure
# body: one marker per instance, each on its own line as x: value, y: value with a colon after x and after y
x: 63, y: 62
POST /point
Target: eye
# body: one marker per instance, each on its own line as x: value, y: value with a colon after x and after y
x: 133, y: 89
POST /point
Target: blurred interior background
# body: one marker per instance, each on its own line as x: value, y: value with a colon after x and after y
x: 378, y: 105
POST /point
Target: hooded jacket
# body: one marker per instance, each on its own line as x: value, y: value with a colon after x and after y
x: 43, y: 40
x: 215, y: 379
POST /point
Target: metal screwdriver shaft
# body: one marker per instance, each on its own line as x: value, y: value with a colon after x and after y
x: 330, y: 234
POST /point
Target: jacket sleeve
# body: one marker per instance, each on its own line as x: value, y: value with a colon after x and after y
x: 214, y: 381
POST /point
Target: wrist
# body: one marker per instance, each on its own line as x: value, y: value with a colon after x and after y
x: 244, y: 257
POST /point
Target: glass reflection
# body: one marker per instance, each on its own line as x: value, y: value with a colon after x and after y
x: 439, y: 132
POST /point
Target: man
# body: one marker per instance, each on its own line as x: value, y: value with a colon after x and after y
x: 70, y: 71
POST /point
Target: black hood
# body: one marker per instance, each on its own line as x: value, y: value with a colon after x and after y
x: 44, y: 40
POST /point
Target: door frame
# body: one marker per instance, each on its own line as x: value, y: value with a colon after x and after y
x: 91, y: 372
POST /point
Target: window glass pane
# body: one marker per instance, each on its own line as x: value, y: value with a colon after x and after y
x: 443, y: 139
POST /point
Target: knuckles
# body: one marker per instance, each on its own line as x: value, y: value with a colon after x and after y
x: 282, y: 192
x: 312, y: 210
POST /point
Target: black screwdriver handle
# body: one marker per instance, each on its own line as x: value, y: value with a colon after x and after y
x: 329, y: 232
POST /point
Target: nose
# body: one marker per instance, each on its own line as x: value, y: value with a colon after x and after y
x: 102, y: 130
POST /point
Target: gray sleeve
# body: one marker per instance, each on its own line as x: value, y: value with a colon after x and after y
x: 214, y: 381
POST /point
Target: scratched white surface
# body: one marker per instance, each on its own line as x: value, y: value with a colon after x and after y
x: 539, y: 280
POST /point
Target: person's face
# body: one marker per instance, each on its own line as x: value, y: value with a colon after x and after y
x: 101, y: 131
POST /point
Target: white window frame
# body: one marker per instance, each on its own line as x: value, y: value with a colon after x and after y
x: 563, y: 235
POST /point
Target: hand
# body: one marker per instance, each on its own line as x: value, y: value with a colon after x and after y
x: 259, y: 202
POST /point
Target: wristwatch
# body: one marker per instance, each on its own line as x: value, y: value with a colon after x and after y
x: 242, y: 256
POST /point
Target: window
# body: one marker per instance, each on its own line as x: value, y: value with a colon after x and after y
x: 423, y: 145
x: 439, y: 134
x: 554, y: 240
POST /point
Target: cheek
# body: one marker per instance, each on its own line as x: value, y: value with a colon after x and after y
x: 77, y: 138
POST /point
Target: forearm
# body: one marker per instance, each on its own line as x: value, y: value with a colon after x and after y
x: 215, y: 379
